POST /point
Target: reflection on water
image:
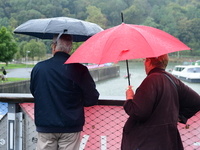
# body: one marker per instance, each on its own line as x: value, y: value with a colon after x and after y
x: 117, y: 86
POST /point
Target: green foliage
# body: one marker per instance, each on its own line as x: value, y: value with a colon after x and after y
x: 34, y: 49
x: 130, y: 14
x: 75, y: 46
x: 22, y: 51
x: 4, y: 21
x: 14, y: 66
x: 8, y: 46
x: 13, y: 80
x: 95, y: 15
x: 150, y: 22
x: 190, y: 34
x: 177, y: 17
x: 195, y: 33
x: 112, y: 10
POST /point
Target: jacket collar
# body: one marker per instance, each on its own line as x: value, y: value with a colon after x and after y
x: 61, y: 54
x: 156, y: 70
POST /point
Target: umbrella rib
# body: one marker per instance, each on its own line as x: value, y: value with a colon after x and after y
x: 145, y: 40
x: 84, y: 26
x: 106, y: 44
x: 46, y: 26
x: 101, y: 58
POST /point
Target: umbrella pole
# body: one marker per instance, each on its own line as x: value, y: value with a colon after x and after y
x: 122, y: 16
x: 128, y: 73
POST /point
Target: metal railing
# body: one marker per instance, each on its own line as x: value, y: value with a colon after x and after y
x: 102, y: 129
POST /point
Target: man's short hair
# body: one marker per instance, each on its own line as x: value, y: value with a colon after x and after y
x: 63, y: 43
x: 160, y: 62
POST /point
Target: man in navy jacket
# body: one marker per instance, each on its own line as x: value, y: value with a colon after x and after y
x: 61, y: 91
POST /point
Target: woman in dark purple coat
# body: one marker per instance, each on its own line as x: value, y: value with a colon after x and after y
x: 154, y: 110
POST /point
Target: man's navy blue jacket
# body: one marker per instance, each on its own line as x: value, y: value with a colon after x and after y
x: 60, y: 93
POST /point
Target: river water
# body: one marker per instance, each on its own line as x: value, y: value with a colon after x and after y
x: 117, y: 86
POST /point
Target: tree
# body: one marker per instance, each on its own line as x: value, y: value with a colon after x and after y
x: 134, y: 15
x: 158, y: 2
x: 195, y: 41
x: 35, y: 49
x: 13, y: 22
x: 184, y: 34
x: 75, y: 46
x: 66, y: 12
x: 21, y: 48
x: 80, y: 9
x: 96, y: 16
x: 112, y: 10
x: 21, y: 53
x: 2, y: 14
x: 8, y: 46
x: 166, y: 15
x: 150, y: 22
x: 4, y: 21
x: 42, y: 51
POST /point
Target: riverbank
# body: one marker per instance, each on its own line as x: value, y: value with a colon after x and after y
x: 183, y: 59
x: 174, y: 59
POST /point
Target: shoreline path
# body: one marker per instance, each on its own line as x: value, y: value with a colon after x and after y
x: 19, y: 73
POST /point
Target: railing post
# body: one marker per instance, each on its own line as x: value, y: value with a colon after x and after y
x: 14, y: 131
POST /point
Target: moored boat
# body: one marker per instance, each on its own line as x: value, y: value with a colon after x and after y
x: 188, y: 73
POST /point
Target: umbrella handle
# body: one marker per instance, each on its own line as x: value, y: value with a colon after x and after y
x: 65, y: 30
x: 128, y: 73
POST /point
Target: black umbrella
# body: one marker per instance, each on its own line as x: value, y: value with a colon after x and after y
x: 46, y: 28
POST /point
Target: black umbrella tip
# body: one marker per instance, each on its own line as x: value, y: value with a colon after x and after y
x: 122, y: 16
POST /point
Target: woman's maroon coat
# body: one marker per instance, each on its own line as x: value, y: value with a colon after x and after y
x: 154, y: 112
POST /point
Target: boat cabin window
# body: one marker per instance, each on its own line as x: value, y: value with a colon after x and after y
x: 179, y: 68
x: 195, y: 70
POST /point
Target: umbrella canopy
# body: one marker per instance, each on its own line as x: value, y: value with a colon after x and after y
x: 46, y: 28
x: 126, y: 41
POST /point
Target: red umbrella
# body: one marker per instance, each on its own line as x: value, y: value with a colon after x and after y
x: 126, y: 41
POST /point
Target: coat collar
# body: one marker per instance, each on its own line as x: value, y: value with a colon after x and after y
x: 156, y: 70
x: 61, y: 54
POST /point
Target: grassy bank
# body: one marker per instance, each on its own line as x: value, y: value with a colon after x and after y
x: 14, y: 66
x: 13, y: 80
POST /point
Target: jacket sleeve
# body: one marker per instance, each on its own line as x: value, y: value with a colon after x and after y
x: 141, y: 106
x: 90, y: 93
x: 32, y: 89
x: 189, y: 102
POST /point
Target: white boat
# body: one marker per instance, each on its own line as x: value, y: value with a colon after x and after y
x: 188, y: 73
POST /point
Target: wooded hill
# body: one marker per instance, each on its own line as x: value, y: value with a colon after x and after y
x: 181, y: 18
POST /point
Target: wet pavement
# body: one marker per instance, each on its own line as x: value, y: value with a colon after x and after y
x: 19, y: 73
